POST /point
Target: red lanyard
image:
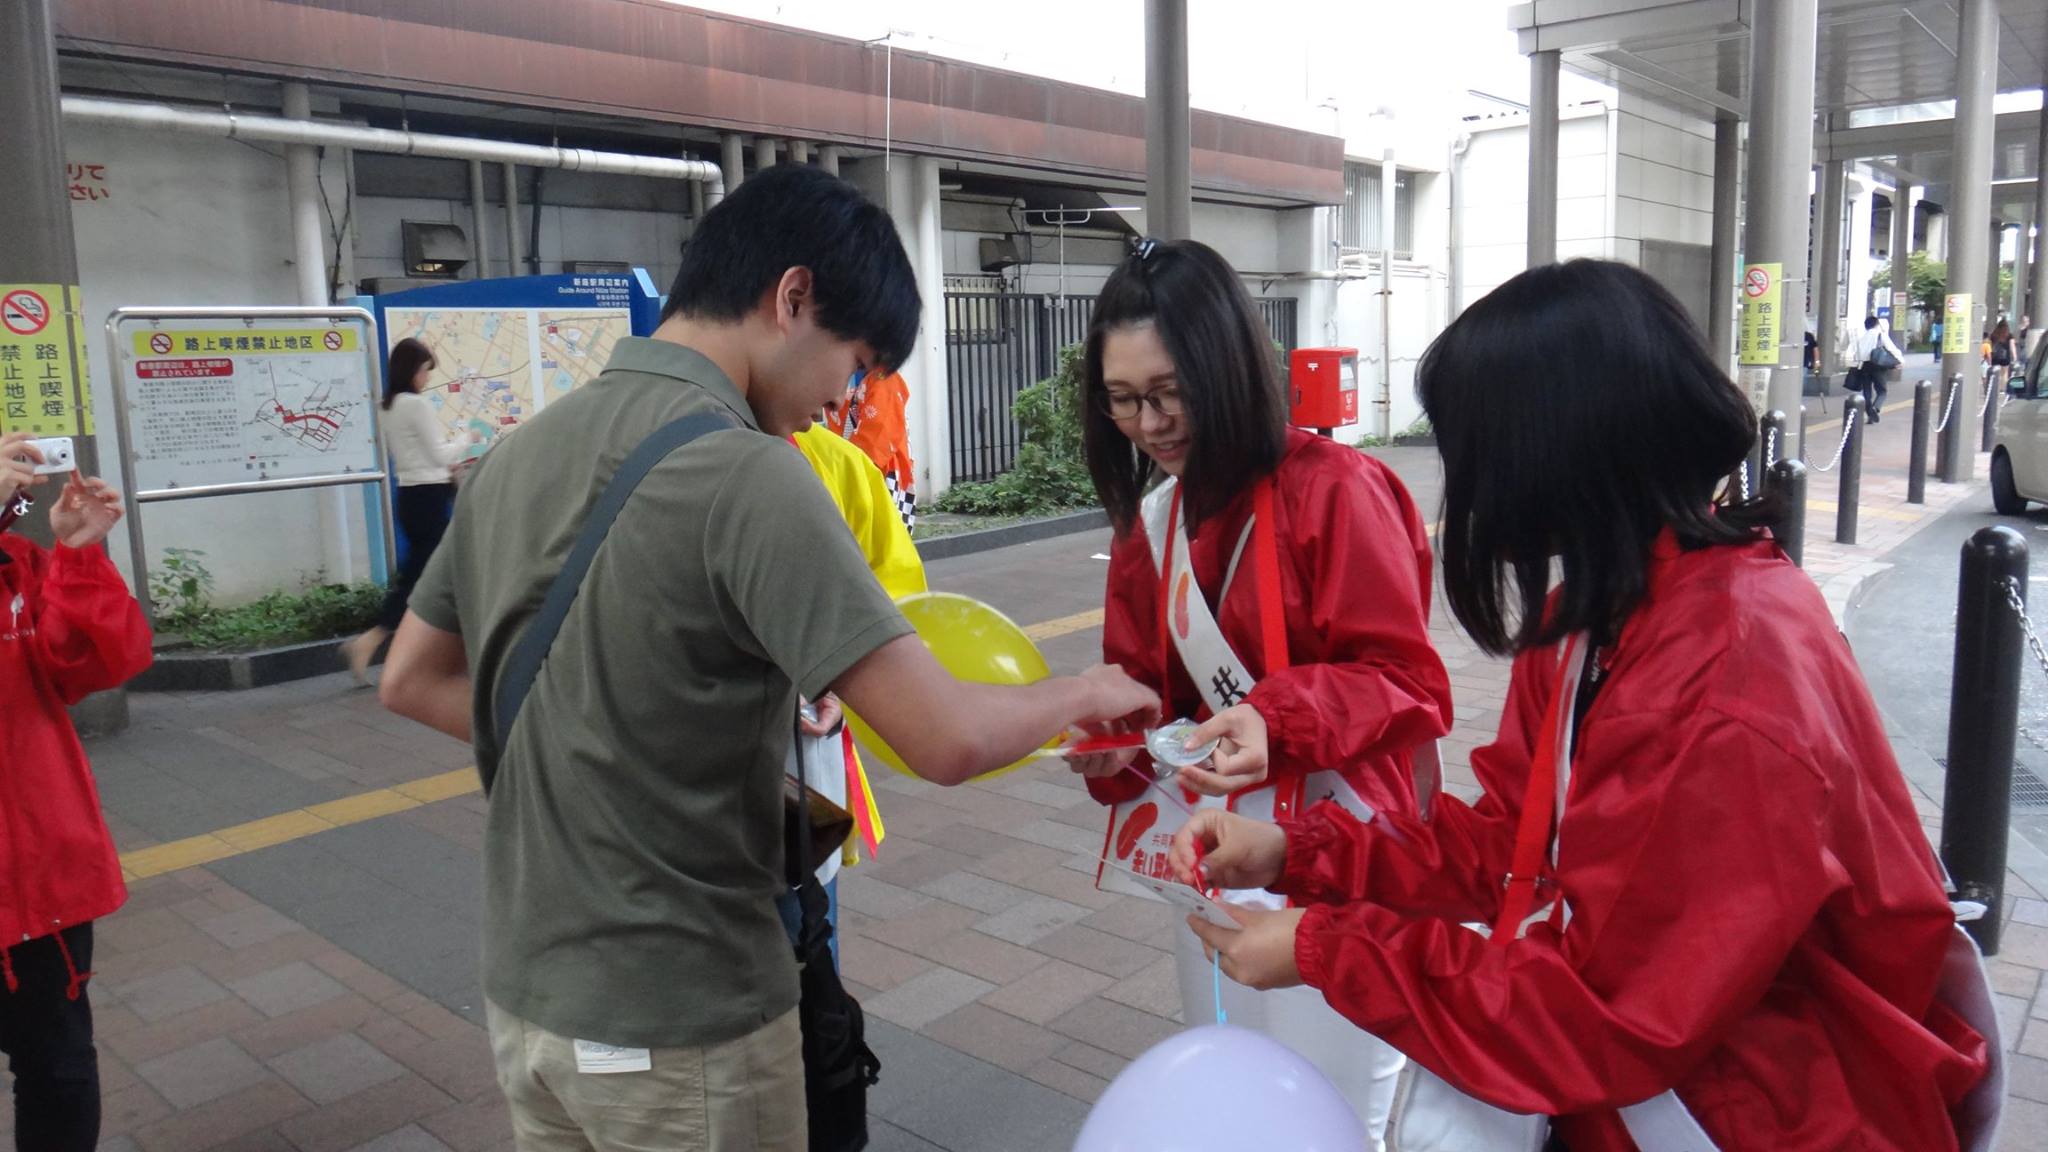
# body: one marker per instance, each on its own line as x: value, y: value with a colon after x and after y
x: 1533, y: 835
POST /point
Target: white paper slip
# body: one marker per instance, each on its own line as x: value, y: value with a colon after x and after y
x: 1181, y: 896
x: 599, y: 1059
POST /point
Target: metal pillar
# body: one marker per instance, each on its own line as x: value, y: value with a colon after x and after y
x: 479, y: 244
x: 828, y: 158
x: 1542, y: 158
x: 1970, y: 205
x: 2022, y: 253
x: 732, y: 157
x: 1727, y: 195
x: 1916, y: 456
x: 36, y: 243
x: 1827, y: 256
x: 764, y: 153
x: 1169, y: 191
x: 2038, y: 308
x: 309, y: 259
x: 1780, y: 157
x: 515, y: 236
x: 1983, y: 723
x: 1903, y: 197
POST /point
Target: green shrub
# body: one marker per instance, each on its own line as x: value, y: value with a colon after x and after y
x: 182, y: 589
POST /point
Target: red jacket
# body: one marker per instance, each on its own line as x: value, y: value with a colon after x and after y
x: 1363, y: 686
x: 1756, y: 916
x: 68, y: 628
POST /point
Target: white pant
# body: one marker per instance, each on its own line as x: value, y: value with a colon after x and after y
x: 1365, y: 1069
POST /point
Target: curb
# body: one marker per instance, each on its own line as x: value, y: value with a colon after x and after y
x: 1010, y: 535
x: 235, y: 671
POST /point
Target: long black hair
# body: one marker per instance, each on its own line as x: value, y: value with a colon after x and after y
x: 1225, y: 367
x: 1579, y: 414
x: 406, y: 358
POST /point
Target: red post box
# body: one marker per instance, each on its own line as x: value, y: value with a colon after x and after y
x: 1324, y: 386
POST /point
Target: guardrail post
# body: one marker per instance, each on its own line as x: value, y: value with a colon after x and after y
x: 1983, y: 723
x: 1788, y: 483
x: 1852, y: 476
x: 1916, y: 459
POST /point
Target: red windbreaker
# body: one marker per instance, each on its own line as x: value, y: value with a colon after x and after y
x: 68, y: 628
x: 1364, y: 686
x: 1756, y: 916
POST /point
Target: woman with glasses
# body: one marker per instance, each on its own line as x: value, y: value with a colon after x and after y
x: 1266, y: 581
x: 1715, y: 919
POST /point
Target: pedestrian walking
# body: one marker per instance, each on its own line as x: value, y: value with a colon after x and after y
x: 1876, y: 359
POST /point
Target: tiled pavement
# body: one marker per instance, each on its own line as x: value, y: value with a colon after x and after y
x: 318, y: 991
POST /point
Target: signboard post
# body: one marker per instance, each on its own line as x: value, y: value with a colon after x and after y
x: 232, y: 401
x: 1956, y: 338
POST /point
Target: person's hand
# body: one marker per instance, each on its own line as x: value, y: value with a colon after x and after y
x: 85, y: 511
x: 1259, y: 952
x: 1232, y: 851
x: 830, y: 717
x: 1240, y: 760
x: 1103, y: 765
x: 17, y: 473
x: 1117, y: 703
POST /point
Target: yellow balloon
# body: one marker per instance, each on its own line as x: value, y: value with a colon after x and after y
x: 971, y: 640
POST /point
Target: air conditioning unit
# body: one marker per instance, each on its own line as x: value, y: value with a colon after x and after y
x: 433, y: 251
x: 1000, y: 252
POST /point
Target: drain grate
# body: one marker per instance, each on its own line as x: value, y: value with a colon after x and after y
x: 2028, y: 790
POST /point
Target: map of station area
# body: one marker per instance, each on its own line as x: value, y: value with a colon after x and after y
x: 495, y: 368
x: 305, y: 409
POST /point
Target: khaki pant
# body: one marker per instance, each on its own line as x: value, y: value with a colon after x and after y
x: 745, y: 1095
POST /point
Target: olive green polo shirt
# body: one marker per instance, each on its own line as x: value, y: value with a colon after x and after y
x: 633, y: 849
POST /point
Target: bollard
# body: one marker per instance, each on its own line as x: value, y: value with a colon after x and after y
x: 1983, y: 724
x: 1994, y: 384
x: 1944, y: 464
x: 1916, y: 459
x: 1802, y: 434
x: 1788, y: 484
x: 1852, y: 478
x: 1772, y: 440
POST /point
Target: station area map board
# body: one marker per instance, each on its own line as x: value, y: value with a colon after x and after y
x: 505, y: 349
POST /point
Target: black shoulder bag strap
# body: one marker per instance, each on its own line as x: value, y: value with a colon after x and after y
x: 523, y: 665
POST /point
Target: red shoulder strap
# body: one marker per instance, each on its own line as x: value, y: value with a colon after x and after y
x: 1539, y: 810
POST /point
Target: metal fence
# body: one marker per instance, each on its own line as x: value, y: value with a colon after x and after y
x: 1000, y: 343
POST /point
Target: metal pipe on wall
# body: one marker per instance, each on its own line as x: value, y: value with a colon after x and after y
x: 479, y: 244
x: 515, y: 244
x: 309, y: 258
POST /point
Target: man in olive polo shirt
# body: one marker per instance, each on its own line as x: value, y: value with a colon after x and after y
x: 641, y: 988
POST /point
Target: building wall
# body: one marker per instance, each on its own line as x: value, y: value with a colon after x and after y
x: 194, y: 221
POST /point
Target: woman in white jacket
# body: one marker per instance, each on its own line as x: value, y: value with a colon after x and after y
x: 425, y: 459
x: 1873, y: 371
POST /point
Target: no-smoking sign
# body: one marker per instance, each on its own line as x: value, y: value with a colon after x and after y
x: 1756, y: 282
x: 160, y: 343
x: 24, y: 312
x: 332, y: 340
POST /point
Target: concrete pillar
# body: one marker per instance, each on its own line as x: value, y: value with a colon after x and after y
x: 515, y: 236
x: 1727, y: 207
x: 1827, y: 260
x: 309, y: 260
x: 36, y: 239
x: 931, y: 336
x: 732, y: 157
x: 1975, y: 123
x: 828, y: 158
x: 799, y: 151
x: 1904, y: 196
x: 764, y: 153
x: 1857, y: 239
x: 2022, y: 255
x: 2037, y: 308
x: 1995, y: 306
x: 479, y: 243
x: 1780, y: 163
x: 1937, y: 236
x: 1169, y: 189
x: 1543, y: 129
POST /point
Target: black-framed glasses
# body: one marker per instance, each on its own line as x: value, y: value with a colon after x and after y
x: 1127, y: 405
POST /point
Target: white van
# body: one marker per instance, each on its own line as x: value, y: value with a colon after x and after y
x: 2019, y: 456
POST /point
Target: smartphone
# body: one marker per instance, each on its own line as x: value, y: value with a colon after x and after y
x: 58, y: 455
